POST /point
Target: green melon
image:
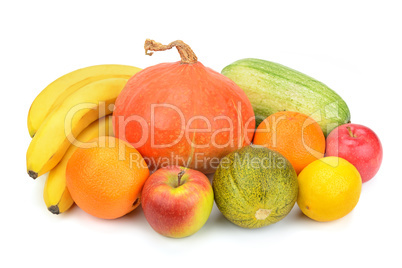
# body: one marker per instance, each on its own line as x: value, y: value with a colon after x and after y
x: 255, y: 187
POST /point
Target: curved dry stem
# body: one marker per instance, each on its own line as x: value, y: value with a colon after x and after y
x: 186, y: 53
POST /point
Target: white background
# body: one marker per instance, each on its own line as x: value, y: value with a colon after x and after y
x: 353, y: 47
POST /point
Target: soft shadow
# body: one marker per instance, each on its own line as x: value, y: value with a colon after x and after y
x: 135, y: 216
x: 218, y: 222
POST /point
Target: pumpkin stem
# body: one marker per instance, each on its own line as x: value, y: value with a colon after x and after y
x: 181, y: 173
x: 186, y: 53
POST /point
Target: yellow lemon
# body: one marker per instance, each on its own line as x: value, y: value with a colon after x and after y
x: 329, y: 188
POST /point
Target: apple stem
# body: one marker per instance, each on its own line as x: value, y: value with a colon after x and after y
x: 350, y: 132
x: 181, y: 173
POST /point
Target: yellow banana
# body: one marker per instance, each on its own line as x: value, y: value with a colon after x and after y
x: 56, y: 195
x: 64, y: 123
x: 56, y: 92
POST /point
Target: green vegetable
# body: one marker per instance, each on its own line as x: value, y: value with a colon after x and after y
x: 272, y: 87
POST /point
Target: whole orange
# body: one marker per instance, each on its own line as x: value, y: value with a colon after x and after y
x: 106, y: 180
x: 296, y: 136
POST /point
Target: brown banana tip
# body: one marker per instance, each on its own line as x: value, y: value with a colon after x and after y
x: 54, y: 209
x: 32, y: 174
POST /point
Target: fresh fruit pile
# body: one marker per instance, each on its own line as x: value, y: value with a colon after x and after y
x: 272, y: 136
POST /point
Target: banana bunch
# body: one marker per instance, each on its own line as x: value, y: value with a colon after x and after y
x: 56, y: 195
x: 65, y: 116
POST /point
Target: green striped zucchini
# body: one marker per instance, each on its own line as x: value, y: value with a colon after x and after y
x: 272, y: 87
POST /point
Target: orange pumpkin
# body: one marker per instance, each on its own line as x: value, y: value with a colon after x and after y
x: 183, y: 113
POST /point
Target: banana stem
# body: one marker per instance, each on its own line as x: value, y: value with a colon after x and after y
x: 32, y: 174
x: 54, y: 209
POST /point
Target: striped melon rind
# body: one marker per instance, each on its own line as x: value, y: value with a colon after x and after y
x: 272, y: 87
x: 255, y: 187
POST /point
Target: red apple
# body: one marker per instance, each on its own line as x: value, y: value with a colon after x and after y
x: 357, y: 144
x: 177, y: 201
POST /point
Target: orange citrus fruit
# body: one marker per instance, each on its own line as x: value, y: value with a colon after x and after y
x: 106, y: 180
x: 329, y: 189
x: 296, y: 136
